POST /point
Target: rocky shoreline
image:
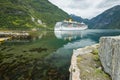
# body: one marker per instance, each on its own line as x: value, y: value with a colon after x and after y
x: 74, y: 70
x: 98, y: 61
x: 86, y: 65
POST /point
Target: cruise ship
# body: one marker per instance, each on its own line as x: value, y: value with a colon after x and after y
x: 70, y: 25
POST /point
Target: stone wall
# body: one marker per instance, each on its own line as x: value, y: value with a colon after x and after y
x: 109, y: 52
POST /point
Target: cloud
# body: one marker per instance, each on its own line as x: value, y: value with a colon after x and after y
x: 109, y: 3
x: 85, y: 8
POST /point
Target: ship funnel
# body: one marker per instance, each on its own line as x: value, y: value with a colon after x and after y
x: 70, y: 20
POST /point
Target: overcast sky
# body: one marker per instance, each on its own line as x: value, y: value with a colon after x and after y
x: 85, y: 8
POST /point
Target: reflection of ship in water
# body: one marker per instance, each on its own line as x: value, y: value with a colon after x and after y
x: 84, y: 34
x: 68, y: 35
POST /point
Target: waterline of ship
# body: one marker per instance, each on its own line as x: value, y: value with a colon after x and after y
x: 70, y: 25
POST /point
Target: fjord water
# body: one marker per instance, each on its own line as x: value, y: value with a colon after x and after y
x: 47, y: 56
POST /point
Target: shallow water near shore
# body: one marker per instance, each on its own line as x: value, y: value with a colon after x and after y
x: 47, y: 56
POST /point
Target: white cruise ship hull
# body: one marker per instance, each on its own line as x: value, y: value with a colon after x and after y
x: 65, y: 28
x: 60, y: 27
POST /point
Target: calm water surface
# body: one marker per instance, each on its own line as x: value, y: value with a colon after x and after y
x: 47, y: 56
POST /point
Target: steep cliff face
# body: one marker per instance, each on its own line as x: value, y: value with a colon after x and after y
x: 109, y: 52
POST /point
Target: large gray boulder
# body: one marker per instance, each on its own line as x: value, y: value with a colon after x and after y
x: 109, y: 52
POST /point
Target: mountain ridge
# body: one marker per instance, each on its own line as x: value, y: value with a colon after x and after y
x: 109, y: 19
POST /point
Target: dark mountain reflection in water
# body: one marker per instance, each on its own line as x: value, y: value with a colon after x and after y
x: 46, y: 57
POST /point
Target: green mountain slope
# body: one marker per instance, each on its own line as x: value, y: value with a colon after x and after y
x: 110, y: 19
x: 25, y: 14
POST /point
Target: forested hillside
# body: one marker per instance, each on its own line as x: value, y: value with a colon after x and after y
x: 26, y: 14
